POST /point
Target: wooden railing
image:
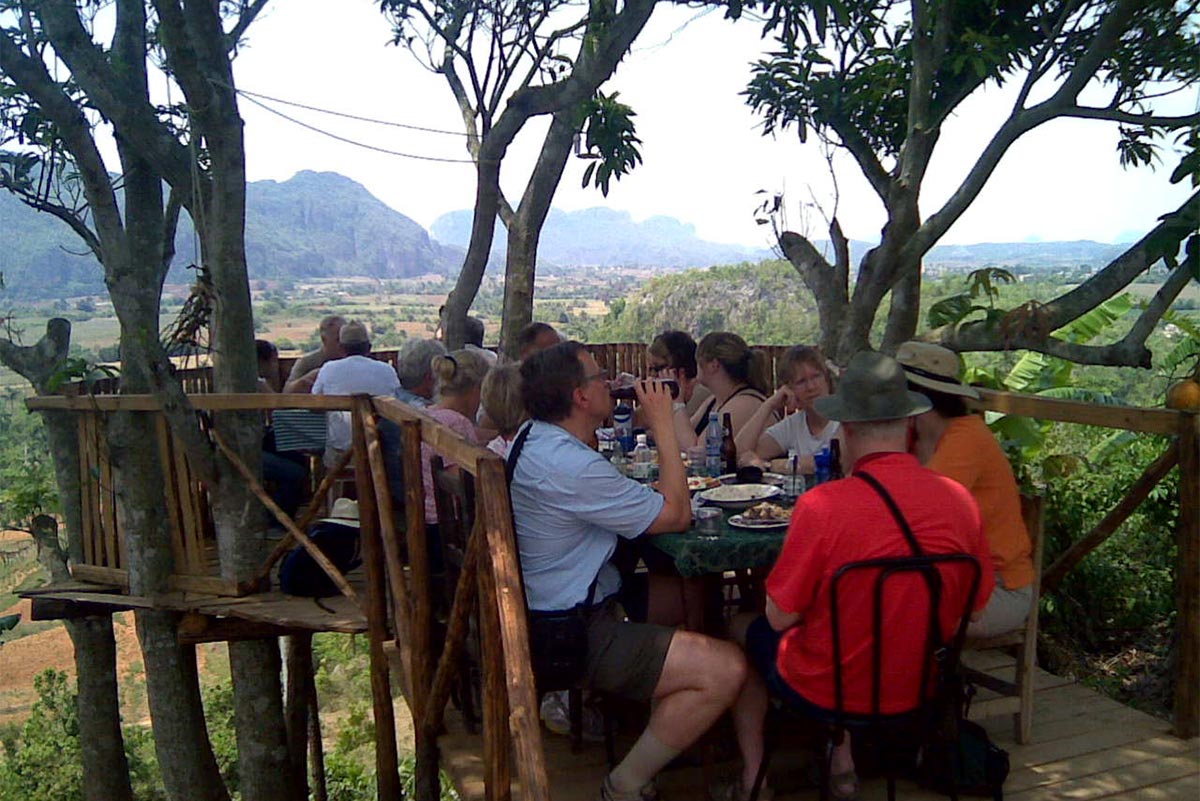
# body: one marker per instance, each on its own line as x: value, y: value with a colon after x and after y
x: 399, y: 604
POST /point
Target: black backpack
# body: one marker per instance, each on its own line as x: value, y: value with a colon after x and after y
x: 299, y: 574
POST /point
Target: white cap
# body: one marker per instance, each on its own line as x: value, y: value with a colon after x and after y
x: 641, y: 439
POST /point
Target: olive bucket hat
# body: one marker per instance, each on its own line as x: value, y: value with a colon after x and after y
x: 873, y: 387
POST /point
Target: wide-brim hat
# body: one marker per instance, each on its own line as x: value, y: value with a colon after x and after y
x: 934, y: 367
x: 873, y: 387
x: 344, y: 512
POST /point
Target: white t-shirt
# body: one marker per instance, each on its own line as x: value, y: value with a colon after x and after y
x: 351, y: 376
x: 792, y: 434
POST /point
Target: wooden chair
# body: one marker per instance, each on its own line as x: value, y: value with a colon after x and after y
x: 454, y: 496
x: 1015, y: 696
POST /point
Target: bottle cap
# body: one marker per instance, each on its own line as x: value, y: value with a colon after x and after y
x: 641, y: 439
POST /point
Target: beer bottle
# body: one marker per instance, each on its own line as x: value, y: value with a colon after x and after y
x: 728, y: 446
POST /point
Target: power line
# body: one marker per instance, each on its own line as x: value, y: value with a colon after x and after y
x: 348, y: 141
x: 343, y: 114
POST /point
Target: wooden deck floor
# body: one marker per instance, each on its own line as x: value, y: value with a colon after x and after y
x: 1085, y: 746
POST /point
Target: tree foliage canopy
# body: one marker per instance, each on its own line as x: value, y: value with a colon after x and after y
x: 880, y: 78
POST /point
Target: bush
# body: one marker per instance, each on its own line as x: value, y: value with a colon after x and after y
x: 43, y: 763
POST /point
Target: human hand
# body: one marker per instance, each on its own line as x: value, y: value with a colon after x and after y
x: 656, y: 404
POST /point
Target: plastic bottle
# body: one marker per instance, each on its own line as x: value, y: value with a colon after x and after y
x: 623, y: 427
x: 794, y: 481
x: 712, y: 445
x: 643, y: 459
x: 835, y: 460
x: 822, y: 460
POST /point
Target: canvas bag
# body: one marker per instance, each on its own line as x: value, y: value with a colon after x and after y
x: 299, y: 574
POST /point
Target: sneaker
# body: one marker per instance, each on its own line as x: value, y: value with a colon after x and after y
x: 607, y: 793
x: 556, y: 715
x: 554, y: 712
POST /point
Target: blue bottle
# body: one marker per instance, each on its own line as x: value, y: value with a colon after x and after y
x: 823, y: 461
x: 623, y: 427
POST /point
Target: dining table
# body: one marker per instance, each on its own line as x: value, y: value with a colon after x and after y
x: 696, y: 553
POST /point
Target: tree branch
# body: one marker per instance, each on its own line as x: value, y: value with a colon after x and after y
x: 247, y: 16
x: 1116, y: 115
x: 37, y: 363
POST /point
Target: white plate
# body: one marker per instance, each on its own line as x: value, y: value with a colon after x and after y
x: 768, y: 478
x: 738, y: 496
x: 738, y: 521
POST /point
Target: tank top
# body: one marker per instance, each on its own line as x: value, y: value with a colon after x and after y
x: 703, y: 422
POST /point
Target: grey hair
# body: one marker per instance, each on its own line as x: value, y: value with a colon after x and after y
x: 414, y: 362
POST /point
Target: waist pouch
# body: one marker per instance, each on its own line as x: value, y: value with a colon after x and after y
x: 558, y: 646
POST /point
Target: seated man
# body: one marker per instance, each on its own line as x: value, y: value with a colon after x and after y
x: 847, y: 521
x: 414, y: 365
x: 304, y: 371
x: 535, y: 337
x: 570, y: 507
x: 356, y: 373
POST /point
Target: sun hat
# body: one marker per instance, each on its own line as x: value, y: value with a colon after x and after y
x: 873, y: 387
x: 345, y: 512
x: 353, y: 333
x: 934, y: 367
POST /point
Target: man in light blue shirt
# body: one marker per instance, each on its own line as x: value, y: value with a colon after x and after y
x: 570, y: 506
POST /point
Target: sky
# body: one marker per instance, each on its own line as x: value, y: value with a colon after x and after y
x: 705, y: 156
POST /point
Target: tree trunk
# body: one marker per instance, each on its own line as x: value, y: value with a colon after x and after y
x: 483, y: 228
x: 523, y: 234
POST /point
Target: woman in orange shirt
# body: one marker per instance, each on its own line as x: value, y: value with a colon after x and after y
x: 959, y: 445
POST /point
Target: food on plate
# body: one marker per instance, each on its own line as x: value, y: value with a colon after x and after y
x: 739, y: 493
x: 767, y: 512
x: 702, y: 483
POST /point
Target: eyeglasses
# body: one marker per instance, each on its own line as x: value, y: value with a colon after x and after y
x: 589, y: 378
x: 658, y: 369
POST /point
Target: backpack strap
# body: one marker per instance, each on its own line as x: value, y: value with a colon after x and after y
x: 894, y: 509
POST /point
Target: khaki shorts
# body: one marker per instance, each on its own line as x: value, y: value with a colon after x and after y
x: 625, y: 658
x: 1006, y: 610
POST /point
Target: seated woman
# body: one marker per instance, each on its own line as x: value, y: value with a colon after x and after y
x: 672, y: 355
x: 737, y: 378
x: 805, y: 376
x: 501, y: 399
x: 955, y: 443
x: 459, y: 378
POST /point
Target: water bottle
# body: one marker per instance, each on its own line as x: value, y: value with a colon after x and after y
x: 712, y: 445
x: 643, y: 459
x: 822, y: 459
x: 794, y: 481
x: 623, y: 427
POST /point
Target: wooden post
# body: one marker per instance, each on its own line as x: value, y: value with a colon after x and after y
x: 426, y: 771
x: 456, y: 632
x: 497, y: 742
x: 1187, y: 580
x: 507, y: 598
x: 299, y: 677
x: 316, y: 749
x: 387, y: 765
x: 393, y: 562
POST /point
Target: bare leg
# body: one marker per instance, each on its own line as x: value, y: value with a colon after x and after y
x: 749, y: 712
x: 700, y: 680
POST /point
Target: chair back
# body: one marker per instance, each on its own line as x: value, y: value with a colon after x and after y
x: 454, y: 497
x: 939, y: 653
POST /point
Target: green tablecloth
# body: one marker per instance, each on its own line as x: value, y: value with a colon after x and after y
x: 696, y: 554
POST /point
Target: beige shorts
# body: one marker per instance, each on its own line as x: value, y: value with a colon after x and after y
x: 625, y: 658
x: 1005, y: 611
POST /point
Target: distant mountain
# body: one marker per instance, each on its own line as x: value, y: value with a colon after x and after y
x: 1049, y: 255
x: 310, y: 226
x: 606, y: 237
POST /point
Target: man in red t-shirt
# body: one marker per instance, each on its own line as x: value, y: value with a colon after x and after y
x: 847, y: 521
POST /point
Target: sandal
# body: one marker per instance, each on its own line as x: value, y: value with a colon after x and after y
x: 838, y: 784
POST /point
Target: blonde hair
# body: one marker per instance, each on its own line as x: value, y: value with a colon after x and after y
x: 501, y: 398
x: 735, y: 356
x: 793, y: 357
x: 458, y: 373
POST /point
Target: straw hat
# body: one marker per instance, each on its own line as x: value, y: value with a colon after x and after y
x: 873, y: 387
x: 344, y: 512
x: 934, y: 367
